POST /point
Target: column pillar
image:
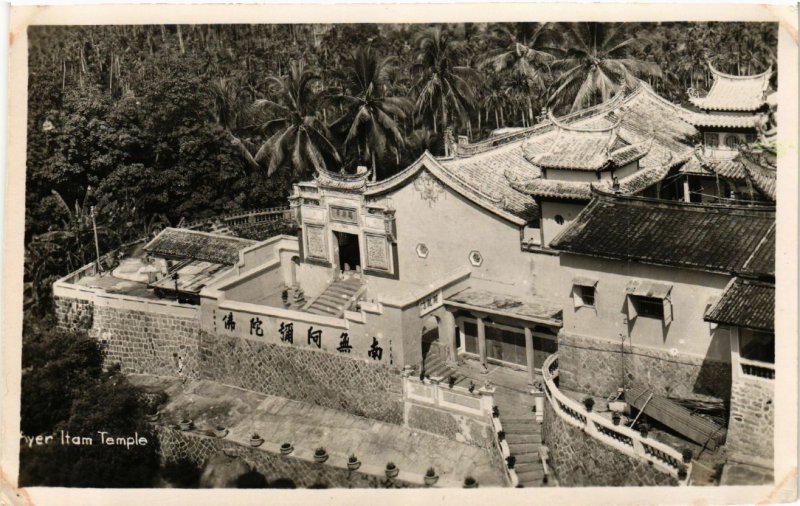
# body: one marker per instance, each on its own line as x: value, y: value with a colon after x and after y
x: 481, y: 341
x: 686, y: 195
x: 529, y: 355
x: 447, y: 330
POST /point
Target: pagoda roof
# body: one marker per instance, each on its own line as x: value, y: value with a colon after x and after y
x: 735, y: 93
x: 710, y: 120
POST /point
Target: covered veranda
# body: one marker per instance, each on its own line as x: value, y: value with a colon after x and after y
x: 518, y: 333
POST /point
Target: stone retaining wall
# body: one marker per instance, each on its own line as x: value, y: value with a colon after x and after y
x: 174, y: 445
x: 316, y: 377
x: 579, y: 460
x: 461, y: 428
x: 752, y: 421
x: 74, y: 314
x: 596, y: 366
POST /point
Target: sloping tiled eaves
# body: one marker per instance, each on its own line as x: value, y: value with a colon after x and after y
x: 745, y: 303
x: 762, y: 262
x: 180, y: 243
x: 691, y: 236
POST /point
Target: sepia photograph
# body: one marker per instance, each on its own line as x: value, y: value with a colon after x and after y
x: 451, y: 255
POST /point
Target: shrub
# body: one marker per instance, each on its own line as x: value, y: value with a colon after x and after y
x: 319, y: 451
x: 390, y: 465
x: 353, y: 459
x: 588, y: 403
x: 431, y: 472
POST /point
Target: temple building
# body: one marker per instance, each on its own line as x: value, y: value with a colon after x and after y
x: 612, y: 236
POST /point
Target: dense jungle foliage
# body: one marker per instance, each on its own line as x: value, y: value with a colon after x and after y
x: 151, y: 124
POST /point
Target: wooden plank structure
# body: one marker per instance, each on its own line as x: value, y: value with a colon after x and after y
x: 699, y: 429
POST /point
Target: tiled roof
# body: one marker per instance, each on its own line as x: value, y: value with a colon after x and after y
x: 745, y: 303
x: 701, y: 119
x: 575, y: 190
x: 736, y: 166
x: 762, y: 262
x: 190, y: 244
x: 482, y: 183
x: 762, y: 176
x: 692, y: 236
x: 496, y: 303
x: 735, y: 93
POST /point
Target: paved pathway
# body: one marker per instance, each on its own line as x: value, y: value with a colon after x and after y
x: 279, y: 420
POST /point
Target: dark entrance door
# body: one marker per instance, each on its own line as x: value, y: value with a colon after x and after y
x: 349, y: 252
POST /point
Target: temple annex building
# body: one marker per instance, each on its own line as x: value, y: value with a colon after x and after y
x: 623, y: 253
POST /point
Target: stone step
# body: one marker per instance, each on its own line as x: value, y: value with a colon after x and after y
x: 531, y: 478
x: 328, y: 308
x: 527, y: 458
x: 319, y: 311
x: 340, y: 288
x: 512, y: 420
x: 523, y: 448
x: 523, y: 438
x: 518, y: 428
x: 331, y: 301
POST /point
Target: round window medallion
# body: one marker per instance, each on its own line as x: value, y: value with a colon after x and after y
x: 475, y: 258
x: 422, y: 250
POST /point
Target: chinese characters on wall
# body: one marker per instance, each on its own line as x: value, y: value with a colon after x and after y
x: 313, y: 336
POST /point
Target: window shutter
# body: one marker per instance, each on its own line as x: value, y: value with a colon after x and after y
x: 577, y: 300
x: 667, y: 310
x: 630, y: 307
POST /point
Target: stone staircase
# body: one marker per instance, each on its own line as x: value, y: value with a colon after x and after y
x: 434, y: 366
x: 524, y: 438
x: 335, y: 299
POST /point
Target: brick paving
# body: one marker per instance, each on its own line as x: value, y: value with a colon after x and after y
x: 307, y: 426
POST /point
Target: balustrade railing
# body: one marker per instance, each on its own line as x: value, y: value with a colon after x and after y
x: 757, y: 369
x: 621, y: 438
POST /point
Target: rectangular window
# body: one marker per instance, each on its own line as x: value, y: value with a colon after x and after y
x: 711, y: 139
x: 757, y: 345
x: 583, y: 295
x: 649, y: 307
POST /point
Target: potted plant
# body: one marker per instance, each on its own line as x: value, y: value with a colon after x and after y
x: 588, y: 403
x: 186, y: 424
x: 255, y: 440
x: 471, y: 387
x: 501, y: 435
x: 353, y: 463
x: 682, y: 473
x: 320, y: 455
x: 616, y: 417
x: 286, y: 448
x: 687, y: 455
x: 470, y: 482
x: 644, y: 429
x: 430, y: 476
x: 391, y: 470
x: 220, y: 431
x: 451, y: 381
x: 495, y: 412
x: 511, y: 461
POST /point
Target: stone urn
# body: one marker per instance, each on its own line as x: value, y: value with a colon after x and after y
x: 470, y: 482
x: 353, y: 463
x: 286, y: 448
x: 256, y: 440
x: 392, y: 470
x: 220, y: 431
x: 430, y: 477
x: 186, y: 424
x: 320, y: 455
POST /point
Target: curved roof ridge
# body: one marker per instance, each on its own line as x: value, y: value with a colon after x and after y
x: 561, y: 125
x: 718, y: 73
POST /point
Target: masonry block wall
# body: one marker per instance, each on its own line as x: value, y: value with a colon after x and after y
x: 141, y: 342
x: 752, y: 421
x: 303, y: 374
x: 174, y: 445
x: 74, y: 314
x: 579, y: 460
x: 596, y: 367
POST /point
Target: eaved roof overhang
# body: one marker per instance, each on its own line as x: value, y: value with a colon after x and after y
x: 426, y: 161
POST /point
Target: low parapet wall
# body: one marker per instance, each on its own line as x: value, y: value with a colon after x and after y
x: 588, y: 450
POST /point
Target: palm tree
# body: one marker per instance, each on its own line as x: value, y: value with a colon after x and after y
x: 299, y: 138
x: 596, y: 63
x: 444, y: 88
x: 528, y: 58
x: 371, y: 114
